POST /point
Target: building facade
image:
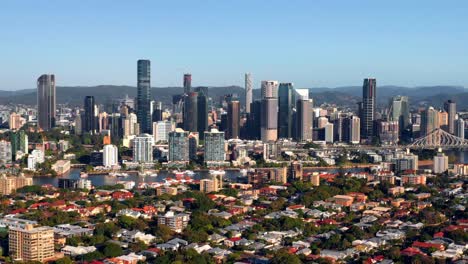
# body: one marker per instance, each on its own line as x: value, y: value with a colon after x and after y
x: 46, y: 104
x: 31, y: 243
x: 143, y: 148
x: 368, y: 108
x: 214, y: 146
x: 178, y: 146
x: 144, y: 95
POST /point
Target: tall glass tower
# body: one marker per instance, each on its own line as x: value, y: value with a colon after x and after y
x: 46, y: 101
x: 144, y: 95
x: 368, y: 108
x: 286, y: 104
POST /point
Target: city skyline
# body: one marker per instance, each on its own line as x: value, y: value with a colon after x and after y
x: 329, y: 46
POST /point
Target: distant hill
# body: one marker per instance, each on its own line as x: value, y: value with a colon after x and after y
x: 346, y: 96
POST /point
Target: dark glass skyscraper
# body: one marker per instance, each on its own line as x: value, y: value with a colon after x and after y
x: 286, y: 104
x: 187, y: 83
x: 451, y: 108
x: 202, y: 111
x: 46, y: 101
x: 369, y: 90
x: 191, y: 112
x: 144, y: 95
x: 89, y: 122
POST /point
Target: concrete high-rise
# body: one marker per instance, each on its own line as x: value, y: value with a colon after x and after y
x: 285, y: 113
x: 187, y: 83
x: 143, y: 148
x: 269, y: 120
x: 368, y: 105
x: 429, y: 120
x: 214, y: 146
x: 161, y: 130
x: 191, y: 112
x: 110, y: 155
x: 144, y: 95
x: 89, y: 122
x: 451, y: 108
x: 46, y: 101
x: 31, y: 243
x: 248, y: 92
x: 352, y: 130
x: 460, y: 128
x: 178, y: 146
x: 304, y: 108
x: 233, y: 117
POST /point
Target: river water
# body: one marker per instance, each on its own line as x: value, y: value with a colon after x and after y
x: 231, y: 175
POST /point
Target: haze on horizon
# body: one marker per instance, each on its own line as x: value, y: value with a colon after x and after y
x: 310, y: 43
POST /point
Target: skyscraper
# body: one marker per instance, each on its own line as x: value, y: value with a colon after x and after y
x: 429, y: 120
x: 460, y: 128
x: 144, y: 95
x: 254, y: 122
x: 110, y: 155
x: 233, y: 117
x: 157, y: 112
x: 178, y: 146
x: 286, y: 105
x: 303, y: 115
x: 46, y: 101
x: 214, y: 146
x: 89, y: 124
x: 400, y: 111
x: 143, y: 148
x: 187, y: 83
x: 351, y: 129
x: 269, y: 120
x: 451, y: 108
x: 202, y: 111
x: 369, y: 90
x: 191, y: 112
x: 248, y: 92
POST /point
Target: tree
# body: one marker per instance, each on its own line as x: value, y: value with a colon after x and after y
x: 112, y: 250
x: 164, y: 232
x: 283, y: 256
x: 64, y: 260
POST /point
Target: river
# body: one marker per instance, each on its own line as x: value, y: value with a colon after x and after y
x: 231, y: 175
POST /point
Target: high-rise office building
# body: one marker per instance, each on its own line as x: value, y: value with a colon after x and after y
x: 248, y: 92
x: 451, y: 108
x: 233, y: 117
x: 328, y: 127
x: 214, y: 146
x: 110, y: 156
x: 352, y: 129
x: 16, y: 121
x: 460, y: 128
x: 161, y: 130
x: 304, y: 119
x: 130, y: 125
x: 178, y: 146
x: 144, y: 95
x: 46, y: 101
x: 191, y: 112
x: 254, y: 121
x: 157, y: 112
x: 440, y: 162
x: 400, y: 111
x: 285, y: 114
x: 143, y: 148
x: 269, y: 120
x: 19, y: 142
x: 429, y: 120
x: 194, y: 139
x: 368, y: 105
x: 202, y: 111
x: 31, y: 243
x: 187, y: 83
x: 89, y: 122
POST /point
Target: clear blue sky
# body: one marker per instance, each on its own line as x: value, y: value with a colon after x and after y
x: 311, y: 43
